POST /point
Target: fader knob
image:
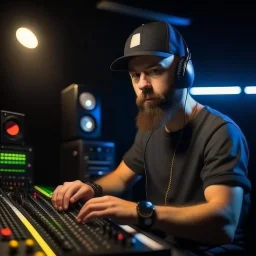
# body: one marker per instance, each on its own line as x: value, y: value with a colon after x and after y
x: 39, y: 253
x: 13, y: 246
x: 30, y: 244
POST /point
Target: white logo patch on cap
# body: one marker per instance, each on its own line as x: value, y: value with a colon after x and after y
x: 135, y: 41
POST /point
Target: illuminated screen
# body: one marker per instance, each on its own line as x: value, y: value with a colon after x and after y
x: 14, y: 161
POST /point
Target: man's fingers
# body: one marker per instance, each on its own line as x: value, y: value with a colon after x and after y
x: 87, y: 209
x: 83, y: 192
x: 107, y: 213
x: 63, y: 193
x: 54, y: 196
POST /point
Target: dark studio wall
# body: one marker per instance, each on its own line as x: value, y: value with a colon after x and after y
x: 77, y: 44
x: 74, y: 47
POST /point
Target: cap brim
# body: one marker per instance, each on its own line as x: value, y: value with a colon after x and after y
x: 122, y: 63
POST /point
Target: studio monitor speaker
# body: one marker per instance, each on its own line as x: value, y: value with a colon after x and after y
x: 80, y: 112
x: 12, y: 128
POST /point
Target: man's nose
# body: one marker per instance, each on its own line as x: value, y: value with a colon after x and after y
x: 144, y: 82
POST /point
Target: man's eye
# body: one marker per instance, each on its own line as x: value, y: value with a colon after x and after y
x: 135, y: 75
x: 154, y: 71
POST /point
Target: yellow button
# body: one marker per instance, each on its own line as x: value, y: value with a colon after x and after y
x: 14, y: 244
x: 39, y: 253
x: 29, y: 242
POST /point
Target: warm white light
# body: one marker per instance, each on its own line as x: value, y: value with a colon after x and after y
x: 26, y: 38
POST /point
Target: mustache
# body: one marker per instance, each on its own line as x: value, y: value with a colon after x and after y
x: 144, y: 96
x: 159, y: 99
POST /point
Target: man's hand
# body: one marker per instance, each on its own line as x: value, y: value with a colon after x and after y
x: 122, y: 211
x: 70, y: 192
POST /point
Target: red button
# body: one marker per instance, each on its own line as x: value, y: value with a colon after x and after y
x: 6, y: 232
x: 120, y: 236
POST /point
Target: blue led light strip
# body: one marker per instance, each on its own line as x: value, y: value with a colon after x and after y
x: 215, y: 90
x: 250, y: 90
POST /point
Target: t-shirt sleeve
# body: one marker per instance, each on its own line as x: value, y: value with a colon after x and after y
x: 226, y: 158
x: 134, y: 157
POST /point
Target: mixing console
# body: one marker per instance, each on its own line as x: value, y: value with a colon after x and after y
x: 29, y: 225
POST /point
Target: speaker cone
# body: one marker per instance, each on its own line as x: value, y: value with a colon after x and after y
x: 87, y: 124
x: 87, y: 100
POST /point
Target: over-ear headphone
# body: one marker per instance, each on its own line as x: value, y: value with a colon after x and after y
x: 184, y: 71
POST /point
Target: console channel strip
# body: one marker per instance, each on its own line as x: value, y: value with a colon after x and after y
x: 29, y: 225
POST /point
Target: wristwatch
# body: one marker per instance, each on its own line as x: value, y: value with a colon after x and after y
x: 96, y: 188
x: 146, y: 214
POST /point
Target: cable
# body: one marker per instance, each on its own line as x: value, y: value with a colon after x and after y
x: 145, y: 149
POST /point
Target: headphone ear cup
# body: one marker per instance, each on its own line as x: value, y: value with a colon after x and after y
x: 184, y: 73
x: 189, y: 75
x: 180, y: 68
x: 180, y: 72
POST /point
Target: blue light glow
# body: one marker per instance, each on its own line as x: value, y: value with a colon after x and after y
x: 143, y: 13
x: 215, y: 90
x: 250, y: 90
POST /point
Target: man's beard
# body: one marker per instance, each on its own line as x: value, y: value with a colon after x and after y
x: 155, y: 113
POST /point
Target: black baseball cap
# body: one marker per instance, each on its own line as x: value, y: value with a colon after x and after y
x: 154, y: 38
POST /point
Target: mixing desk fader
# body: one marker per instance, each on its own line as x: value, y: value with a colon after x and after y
x: 29, y: 225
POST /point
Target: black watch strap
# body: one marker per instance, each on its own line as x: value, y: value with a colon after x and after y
x: 96, y: 187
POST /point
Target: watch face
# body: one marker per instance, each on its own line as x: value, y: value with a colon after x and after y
x: 145, y: 209
x: 148, y: 222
